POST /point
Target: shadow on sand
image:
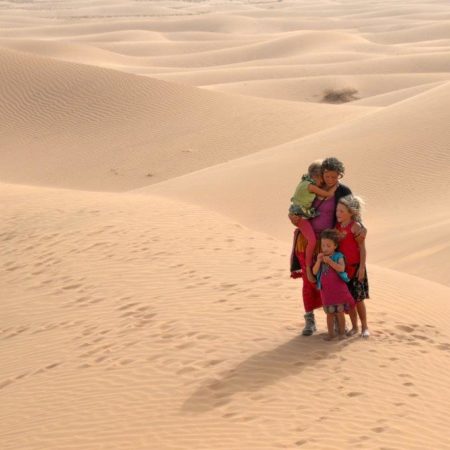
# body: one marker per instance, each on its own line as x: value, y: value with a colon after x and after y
x: 261, y: 370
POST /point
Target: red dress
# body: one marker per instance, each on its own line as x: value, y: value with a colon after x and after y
x: 350, y: 249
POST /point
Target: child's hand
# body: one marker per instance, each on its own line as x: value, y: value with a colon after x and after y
x: 294, y: 219
x: 361, y: 273
x: 320, y: 257
x: 327, y: 259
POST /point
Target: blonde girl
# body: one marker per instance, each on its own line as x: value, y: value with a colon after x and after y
x: 353, y: 246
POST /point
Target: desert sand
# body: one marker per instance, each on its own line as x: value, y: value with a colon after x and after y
x: 148, y: 151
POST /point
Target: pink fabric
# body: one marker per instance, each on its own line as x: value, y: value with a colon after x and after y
x: 326, y: 218
x: 307, y: 230
x: 334, y: 290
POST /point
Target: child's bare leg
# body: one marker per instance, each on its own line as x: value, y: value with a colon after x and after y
x: 307, y: 231
x: 361, y: 307
x: 354, y: 319
x: 330, y: 327
x: 341, y: 324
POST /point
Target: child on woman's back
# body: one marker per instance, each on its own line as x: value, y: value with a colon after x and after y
x: 301, y: 206
x: 352, y: 245
x: 331, y: 280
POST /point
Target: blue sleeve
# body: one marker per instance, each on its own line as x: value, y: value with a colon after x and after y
x: 337, y: 256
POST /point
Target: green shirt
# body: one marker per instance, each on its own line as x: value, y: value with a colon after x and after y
x: 302, y: 196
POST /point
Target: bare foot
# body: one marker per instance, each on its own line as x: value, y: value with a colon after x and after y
x: 309, y: 275
x: 365, y: 333
x: 352, y: 332
x: 342, y: 336
x: 329, y: 338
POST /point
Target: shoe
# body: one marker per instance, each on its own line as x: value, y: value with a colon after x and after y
x: 310, y: 324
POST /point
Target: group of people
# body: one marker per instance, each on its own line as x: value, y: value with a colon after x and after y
x: 329, y: 251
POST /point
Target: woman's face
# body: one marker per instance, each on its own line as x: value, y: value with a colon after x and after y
x: 330, y: 177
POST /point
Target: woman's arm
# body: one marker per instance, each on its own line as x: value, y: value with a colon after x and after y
x: 322, y: 192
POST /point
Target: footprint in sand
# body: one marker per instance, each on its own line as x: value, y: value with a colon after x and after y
x: 16, y: 332
x: 128, y: 306
x: 405, y: 328
x: 5, y: 383
x: 444, y: 346
x: 354, y: 394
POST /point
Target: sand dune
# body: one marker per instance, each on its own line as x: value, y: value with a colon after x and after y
x: 427, y: 32
x: 398, y: 95
x: 90, y: 128
x: 275, y: 48
x: 312, y: 88
x: 148, y: 151
x: 306, y: 44
x: 385, y: 139
x: 84, y: 54
x: 437, y: 62
x: 113, y: 353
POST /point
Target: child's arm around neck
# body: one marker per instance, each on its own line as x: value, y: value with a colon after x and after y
x: 322, y: 192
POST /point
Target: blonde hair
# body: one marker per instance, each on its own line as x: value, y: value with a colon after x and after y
x: 315, y: 168
x: 354, y: 204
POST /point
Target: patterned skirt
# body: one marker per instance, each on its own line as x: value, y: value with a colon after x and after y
x: 359, y: 289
